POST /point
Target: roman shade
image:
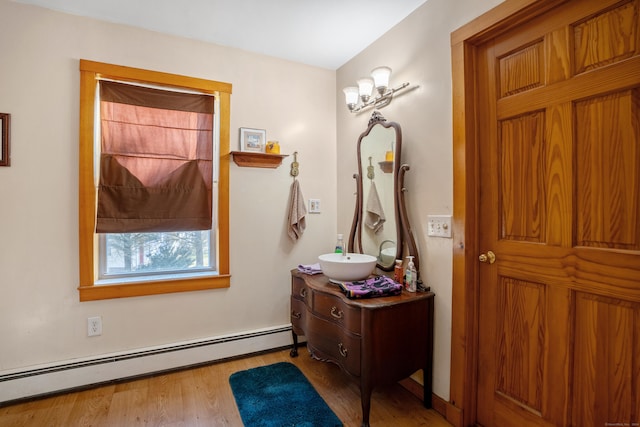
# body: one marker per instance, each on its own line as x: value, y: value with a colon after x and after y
x: 156, y: 152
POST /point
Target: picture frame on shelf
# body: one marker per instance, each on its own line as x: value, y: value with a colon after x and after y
x: 253, y: 140
x: 5, y: 158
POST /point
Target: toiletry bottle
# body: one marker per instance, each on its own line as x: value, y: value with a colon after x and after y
x: 411, y: 276
x: 272, y: 147
x: 339, y: 245
x: 398, y: 271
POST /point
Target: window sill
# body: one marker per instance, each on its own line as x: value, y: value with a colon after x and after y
x: 110, y: 289
x: 146, y: 278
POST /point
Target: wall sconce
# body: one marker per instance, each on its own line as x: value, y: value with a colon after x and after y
x: 380, y: 80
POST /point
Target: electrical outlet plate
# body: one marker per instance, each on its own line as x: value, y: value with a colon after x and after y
x: 94, y: 326
x: 314, y: 205
x: 439, y: 226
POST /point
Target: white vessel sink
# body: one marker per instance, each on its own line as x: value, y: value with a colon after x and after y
x: 347, y: 268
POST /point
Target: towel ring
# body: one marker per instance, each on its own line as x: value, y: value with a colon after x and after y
x: 295, y: 171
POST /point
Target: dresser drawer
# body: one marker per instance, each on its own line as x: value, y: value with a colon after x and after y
x: 298, y: 315
x: 328, y: 341
x: 334, y: 309
x: 299, y: 289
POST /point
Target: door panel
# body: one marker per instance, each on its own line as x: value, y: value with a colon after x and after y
x: 605, y: 37
x: 559, y: 203
x: 605, y: 379
x: 520, y: 342
x: 521, y: 178
x: 607, y: 167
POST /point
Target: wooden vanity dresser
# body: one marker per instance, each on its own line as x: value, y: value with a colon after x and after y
x: 378, y: 340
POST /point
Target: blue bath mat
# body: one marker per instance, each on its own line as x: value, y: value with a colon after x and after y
x: 279, y: 395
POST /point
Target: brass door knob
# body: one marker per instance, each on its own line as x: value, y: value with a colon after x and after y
x: 489, y: 257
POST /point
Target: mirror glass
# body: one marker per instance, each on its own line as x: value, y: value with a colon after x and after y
x: 379, y: 231
x: 380, y: 222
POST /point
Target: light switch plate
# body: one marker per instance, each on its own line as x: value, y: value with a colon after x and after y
x: 439, y: 226
x: 314, y: 205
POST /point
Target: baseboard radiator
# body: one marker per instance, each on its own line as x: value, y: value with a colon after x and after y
x: 41, y: 380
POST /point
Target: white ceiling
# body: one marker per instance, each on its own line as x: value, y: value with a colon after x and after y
x: 323, y: 33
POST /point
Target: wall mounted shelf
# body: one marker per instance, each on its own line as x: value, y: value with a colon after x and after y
x: 387, y: 167
x: 257, y: 160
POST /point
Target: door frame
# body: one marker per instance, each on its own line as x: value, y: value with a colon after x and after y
x: 461, y: 410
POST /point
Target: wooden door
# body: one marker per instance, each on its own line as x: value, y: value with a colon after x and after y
x: 559, y: 204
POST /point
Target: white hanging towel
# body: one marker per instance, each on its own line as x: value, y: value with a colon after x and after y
x: 297, y: 210
x: 374, y: 218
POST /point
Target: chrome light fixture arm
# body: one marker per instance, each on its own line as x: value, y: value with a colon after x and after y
x: 379, y: 101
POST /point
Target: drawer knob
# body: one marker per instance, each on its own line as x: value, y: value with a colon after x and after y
x: 296, y: 315
x: 303, y: 292
x: 343, y: 350
x: 336, y: 313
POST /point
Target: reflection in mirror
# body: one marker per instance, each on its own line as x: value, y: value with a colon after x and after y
x: 379, y: 231
x: 380, y: 221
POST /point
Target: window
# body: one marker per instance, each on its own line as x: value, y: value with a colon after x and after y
x: 140, y: 255
x: 153, y: 253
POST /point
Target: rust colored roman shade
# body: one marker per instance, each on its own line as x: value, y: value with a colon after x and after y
x: 155, y: 160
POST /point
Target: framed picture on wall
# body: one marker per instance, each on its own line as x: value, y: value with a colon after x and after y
x: 4, y: 142
x: 253, y: 140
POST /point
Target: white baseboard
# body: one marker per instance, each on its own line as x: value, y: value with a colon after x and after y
x: 45, y: 379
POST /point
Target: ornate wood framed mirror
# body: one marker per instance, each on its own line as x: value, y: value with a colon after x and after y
x: 380, y: 222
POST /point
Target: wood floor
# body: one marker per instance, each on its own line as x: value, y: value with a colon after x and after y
x: 202, y: 397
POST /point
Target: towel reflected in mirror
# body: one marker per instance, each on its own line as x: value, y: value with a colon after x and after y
x: 374, y: 216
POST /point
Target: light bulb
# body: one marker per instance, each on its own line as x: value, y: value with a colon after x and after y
x: 381, y: 77
x: 365, y: 87
x: 351, y: 96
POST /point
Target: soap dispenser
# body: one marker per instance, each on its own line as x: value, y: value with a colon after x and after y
x: 339, y: 245
x: 411, y: 275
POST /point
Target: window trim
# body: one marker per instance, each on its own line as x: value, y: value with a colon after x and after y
x: 88, y: 288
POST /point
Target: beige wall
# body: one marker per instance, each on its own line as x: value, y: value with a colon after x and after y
x: 418, y: 50
x: 41, y: 319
